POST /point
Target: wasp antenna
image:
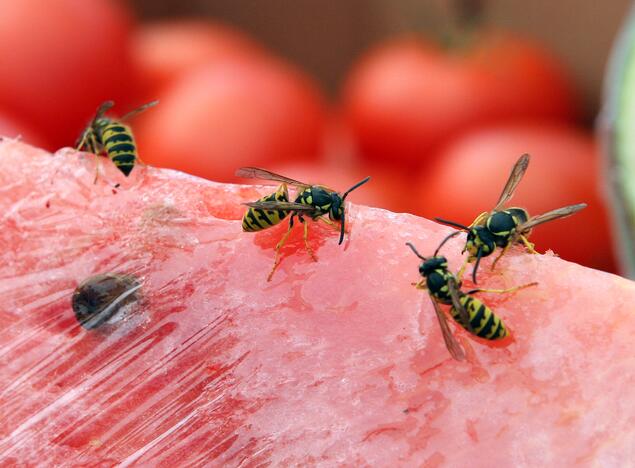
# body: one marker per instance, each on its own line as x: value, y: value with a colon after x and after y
x: 341, y: 229
x: 447, y: 238
x: 479, y: 255
x: 355, y: 186
x: 451, y: 223
x: 415, y: 251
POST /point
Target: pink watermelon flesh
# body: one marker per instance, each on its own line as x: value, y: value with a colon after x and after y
x: 335, y: 362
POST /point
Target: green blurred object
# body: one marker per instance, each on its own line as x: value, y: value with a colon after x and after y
x: 617, y: 130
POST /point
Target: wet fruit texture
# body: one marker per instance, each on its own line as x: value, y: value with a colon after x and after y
x: 339, y: 361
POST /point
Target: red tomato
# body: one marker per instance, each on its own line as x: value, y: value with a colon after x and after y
x: 408, y: 95
x: 231, y: 114
x: 11, y: 127
x: 469, y: 176
x: 60, y: 59
x: 163, y: 51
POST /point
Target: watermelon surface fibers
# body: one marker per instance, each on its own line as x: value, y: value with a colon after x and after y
x: 338, y: 362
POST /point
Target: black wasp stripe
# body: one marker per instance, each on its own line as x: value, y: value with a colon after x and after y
x: 124, y: 158
x: 118, y: 138
x: 475, y: 322
x: 264, y: 217
x: 122, y: 148
x: 116, y: 128
x: 487, y: 328
x: 254, y: 220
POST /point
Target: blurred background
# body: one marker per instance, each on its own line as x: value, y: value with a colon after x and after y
x: 435, y: 99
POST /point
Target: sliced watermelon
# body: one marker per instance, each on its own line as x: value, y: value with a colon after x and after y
x: 335, y: 362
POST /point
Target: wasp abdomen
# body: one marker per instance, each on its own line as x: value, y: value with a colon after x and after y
x: 256, y: 219
x: 120, y: 147
x: 485, y: 323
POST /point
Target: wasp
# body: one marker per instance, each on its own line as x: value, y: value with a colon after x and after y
x: 112, y: 136
x: 503, y: 227
x: 472, y: 314
x: 312, y: 201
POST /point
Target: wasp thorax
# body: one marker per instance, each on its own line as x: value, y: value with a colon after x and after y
x: 502, y: 223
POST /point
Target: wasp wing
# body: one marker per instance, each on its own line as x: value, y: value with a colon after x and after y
x: 140, y: 109
x: 454, y: 347
x: 456, y: 302
x: 257, y: 173
x: 518, y: 171
x: 103, y: 108
x: 550, y: 216
x: 281, y: 206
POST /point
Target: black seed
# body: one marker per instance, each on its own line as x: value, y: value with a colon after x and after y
x: 100, y: 297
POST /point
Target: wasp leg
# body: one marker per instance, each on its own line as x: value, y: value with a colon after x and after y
x: 306, y: 238
x: 529, y: 245
x: 503, y: 291
x: 279, y: 246
x: 327, y: 221
x: 459, y: 275
x: 91, y: 143
x: 97, y: 165
x: 420, y: 285
x: 503, y: 252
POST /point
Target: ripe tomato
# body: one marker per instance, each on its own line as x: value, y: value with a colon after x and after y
x: 469, y: 176
x: 11, y: 127
x: 163, y: 51
x: 408, y: 95
x: 60, y: 59
x: 231, y: 114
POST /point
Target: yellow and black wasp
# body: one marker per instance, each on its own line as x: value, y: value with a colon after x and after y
x: 313, y: 201
x: 468, y: 311
x: 113, y: 137
x: 504, y: 227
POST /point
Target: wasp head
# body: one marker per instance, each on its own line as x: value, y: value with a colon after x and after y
x: 480, y: 239
x: 336, y: 211
x: 431, y: 264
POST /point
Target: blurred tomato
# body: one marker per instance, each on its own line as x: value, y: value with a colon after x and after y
x: 163, y: 51
x: 60, y: 59
x: 13, y: 128
x: 469, y: 176
x: 231, y: 114
x: 408, y: 95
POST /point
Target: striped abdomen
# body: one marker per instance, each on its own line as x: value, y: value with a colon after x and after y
x: 256, y: 219
x: 485, y: 323
x: 119, y: 144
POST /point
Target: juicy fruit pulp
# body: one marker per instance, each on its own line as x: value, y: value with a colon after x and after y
x: 336, y: 361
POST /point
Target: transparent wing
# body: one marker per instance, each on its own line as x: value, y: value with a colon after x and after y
x: 103, y: 108
x: 550, y: 216
x: 281, y: 206
x: 257, y: 173
x: 455, y: 294
x: 515, y: 177
x: 454, y: 347
x: 140, y: 109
